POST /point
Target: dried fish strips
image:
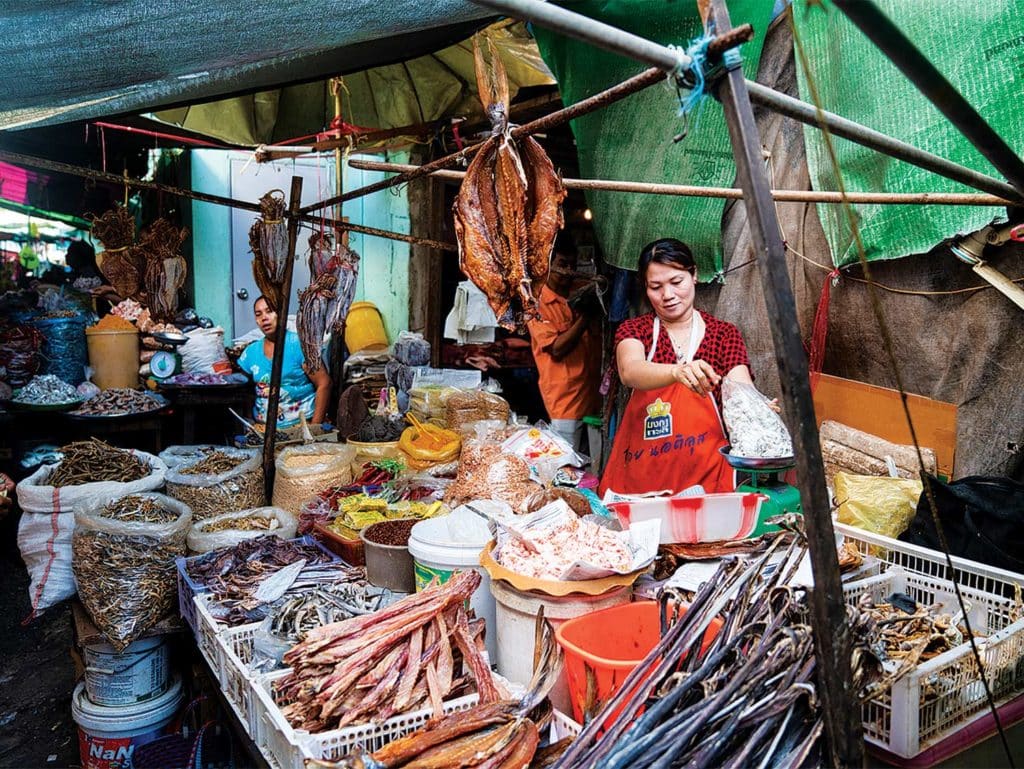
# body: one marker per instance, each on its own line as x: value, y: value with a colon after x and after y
x: 92, y: 461
x: 394, y: 660
x: 123, y: 555
x: 509, y: 208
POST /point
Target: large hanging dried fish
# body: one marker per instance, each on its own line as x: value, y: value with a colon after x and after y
x: 311, y: 320
x: 165, y: 268
x: 324, y: 304
x: 120, y: 262
x: 509, y: 208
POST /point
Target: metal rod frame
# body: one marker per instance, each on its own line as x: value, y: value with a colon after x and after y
x: 832, y: 634
x: 277, y: 364
x: 729, y: 193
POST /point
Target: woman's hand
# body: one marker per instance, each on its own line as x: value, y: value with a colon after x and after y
x: 6, y: 487
x: 697, y: 375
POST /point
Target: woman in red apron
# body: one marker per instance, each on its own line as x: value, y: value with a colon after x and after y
x: 674, y: 360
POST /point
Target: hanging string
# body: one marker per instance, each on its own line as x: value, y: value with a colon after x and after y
x: 890, y: 352
x: 691, y: 80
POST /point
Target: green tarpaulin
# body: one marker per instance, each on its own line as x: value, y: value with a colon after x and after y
x: 632, y: 139
x: 977, y: 46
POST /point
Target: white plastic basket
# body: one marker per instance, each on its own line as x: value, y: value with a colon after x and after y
x: 945, y: 693
x: 234, y: 647
x: 206, y: 630
x: 288, y: 748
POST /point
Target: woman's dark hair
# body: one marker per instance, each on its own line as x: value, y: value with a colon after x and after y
x: 668, y: 251
x: 263, y: 298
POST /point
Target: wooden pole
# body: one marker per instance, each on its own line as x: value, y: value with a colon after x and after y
x: 276, y: 366
x: 732, y: 193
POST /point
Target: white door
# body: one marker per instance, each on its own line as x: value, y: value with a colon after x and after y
x: 249, y: 182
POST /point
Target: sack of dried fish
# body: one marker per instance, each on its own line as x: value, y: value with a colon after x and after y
x: 123, y: 552
x: 754, y: 429
x: 302, y: 471
x: 231, y: 528
x: 95, y: 471
x: 180, y: 455
x: 223, y: 481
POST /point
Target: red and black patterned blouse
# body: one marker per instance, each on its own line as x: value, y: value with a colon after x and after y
x: 722, y: 345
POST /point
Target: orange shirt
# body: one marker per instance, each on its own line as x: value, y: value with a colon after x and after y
x: 568, y: 386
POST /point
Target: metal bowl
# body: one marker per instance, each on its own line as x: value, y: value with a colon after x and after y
x: 756, y: 463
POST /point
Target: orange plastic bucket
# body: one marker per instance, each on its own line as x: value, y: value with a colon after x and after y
x: 611, y: 642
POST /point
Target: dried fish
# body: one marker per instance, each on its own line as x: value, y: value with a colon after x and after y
x: 123, y: 562
x: 119, y: 400
x: 93, y: 460
x: 46, y: 389
x: 214, y: 463
x: 224, y: 481
x: 294, y: 615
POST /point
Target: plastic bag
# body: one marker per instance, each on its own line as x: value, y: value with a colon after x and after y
x: 210, y: 534
x: 755, y: 430
x: 47, y: 523
x: 210, y: 494
x: 88, y: 389
x: 463, y: 406
x: 181, y: 455
x: 302, y: 471
x: 543, y: 450
x: 431, y: 445
x: 486, y: 472
x: 883, y: 505
x: 412, y: 349
x: 204, y: 353
x: 125, y: 569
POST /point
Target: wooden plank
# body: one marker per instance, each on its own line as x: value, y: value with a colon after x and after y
x: 877, y: 410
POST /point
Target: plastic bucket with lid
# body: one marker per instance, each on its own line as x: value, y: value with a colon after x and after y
x: 611, y: 642
x: 107, y: 737
x: 114, y: 357
x: 437, y: 555
x: 138, y: 674
x: 515, y: 621
x: 364, y: 327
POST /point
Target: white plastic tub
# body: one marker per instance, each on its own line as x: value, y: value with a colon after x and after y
x: 138, y: 674
x: 108, y: 737
x: 436, y: 556
x: 691, y: 519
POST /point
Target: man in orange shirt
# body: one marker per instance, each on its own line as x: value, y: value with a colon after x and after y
x: 567, y: 348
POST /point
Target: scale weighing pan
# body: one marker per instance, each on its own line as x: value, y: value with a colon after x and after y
x: 168, y: 338
x: 756, y: 463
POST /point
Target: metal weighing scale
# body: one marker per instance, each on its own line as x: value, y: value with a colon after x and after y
x: 166, y: 363
x: 765, y: 478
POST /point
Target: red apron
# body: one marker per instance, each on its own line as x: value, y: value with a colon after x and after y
x: 668, y: 440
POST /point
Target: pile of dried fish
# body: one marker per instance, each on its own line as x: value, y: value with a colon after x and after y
x: 246, y: 523
x: 496, y: 735
x: 46, y: 390
x: 388, y: 662
x: 268, y: 241
x: 747, y: 697
x: 224, y: 481
x: 136, y: 508
x: 509, y: 208
x: 238, y: 600
x: 123, y: 562
x: 117, y: 401
x: 294, y: 615
x: 93, y: 460
x: 214, y: 463
x: 251, y: 559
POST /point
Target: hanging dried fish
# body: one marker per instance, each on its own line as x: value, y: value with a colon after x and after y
x: 311, y: 319
x: 509, y: 208
x: 268, y: 239
x: 120, y: 264
x: 165, y: 268
x: 324, y: 304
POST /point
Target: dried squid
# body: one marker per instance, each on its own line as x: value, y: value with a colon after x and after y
x: 509, y: 208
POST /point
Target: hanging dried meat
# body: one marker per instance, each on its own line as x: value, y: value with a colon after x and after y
x: 268, y: 240
x: 324, y: 304
x: 509, y: 208
x: 165, y: 269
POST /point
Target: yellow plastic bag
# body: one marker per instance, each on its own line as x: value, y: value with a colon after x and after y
x: 883, y: 505
x: 429, y: 443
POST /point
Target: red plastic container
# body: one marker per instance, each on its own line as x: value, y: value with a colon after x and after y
x: 349, y: 550
x: 611, y: 642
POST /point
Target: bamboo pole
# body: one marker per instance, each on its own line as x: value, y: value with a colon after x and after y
x: 732, y: 193
x: 277, y: 364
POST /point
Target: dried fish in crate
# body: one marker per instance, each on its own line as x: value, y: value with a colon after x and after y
x: 123, y: 555
x: 251, y: 559
x: 294, y: 615
x: 388, y: 662
x: 509, y: 208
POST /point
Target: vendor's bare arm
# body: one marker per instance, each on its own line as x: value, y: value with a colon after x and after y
x: 637, y: 372
x: 322, y: 382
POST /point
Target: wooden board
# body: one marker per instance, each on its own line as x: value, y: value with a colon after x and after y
x: 877, y: 410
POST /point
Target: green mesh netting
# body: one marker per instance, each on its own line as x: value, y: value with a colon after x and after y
x: 977, y: 46
x: 632, y: 139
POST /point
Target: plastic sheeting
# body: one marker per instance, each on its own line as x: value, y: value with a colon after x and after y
x: 71, y: 61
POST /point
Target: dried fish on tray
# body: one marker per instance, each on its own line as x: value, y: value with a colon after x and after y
x: 123, y: 553
x: 389, y: 662
x: 120, y: 401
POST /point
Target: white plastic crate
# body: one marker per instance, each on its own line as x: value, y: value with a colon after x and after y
x: 234, y: 648
x: 285, y: 747
x: 944, y: 694
x: 206, y: 631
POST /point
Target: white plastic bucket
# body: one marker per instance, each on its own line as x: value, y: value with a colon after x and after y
x: 516, y: 615
x: 107, y: 737
x: 435, y: 555
x: 138, y: 674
